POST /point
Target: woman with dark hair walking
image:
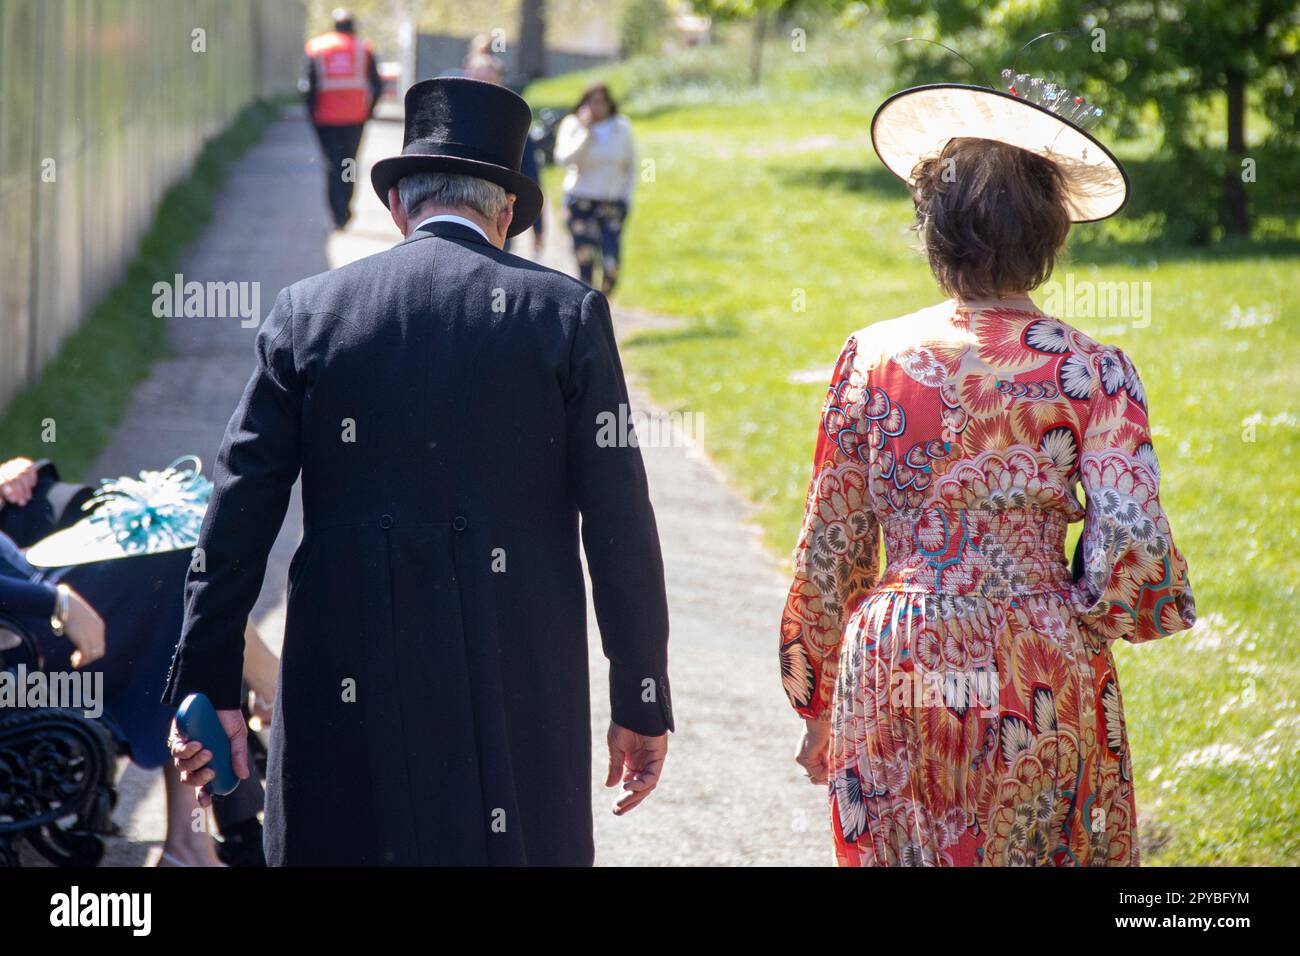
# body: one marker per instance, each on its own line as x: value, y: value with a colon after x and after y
x: 594, y: 144
x: 961, y: 704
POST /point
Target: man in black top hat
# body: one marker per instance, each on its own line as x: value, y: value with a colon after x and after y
x: 444, y: 403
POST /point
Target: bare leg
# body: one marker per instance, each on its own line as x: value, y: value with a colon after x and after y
x: 261, y: 670
x: 183, y: 845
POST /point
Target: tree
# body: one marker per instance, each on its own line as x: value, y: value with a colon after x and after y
x: 1175, y: 56
x: 642, y: 27
x: 761, y: 13
x: 532, y: 39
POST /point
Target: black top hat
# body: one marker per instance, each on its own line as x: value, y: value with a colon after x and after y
x: 459, y: 125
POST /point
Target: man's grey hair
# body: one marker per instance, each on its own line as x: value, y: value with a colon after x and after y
x: 452, y: 190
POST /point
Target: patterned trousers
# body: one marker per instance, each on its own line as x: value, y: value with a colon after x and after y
x: 597, y: 229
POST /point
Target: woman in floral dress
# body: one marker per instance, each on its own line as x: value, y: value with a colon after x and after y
x: 961, y: 702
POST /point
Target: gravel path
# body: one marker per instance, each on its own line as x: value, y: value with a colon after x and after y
x: 731, y: 794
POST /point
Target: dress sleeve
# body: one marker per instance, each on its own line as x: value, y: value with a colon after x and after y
x: 1134, y: 583
x: 22, y: 592
x: 23, y: 597
x: 571, y: 141
x: 838, y: 556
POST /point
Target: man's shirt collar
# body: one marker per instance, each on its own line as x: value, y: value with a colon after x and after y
x: 460, y: 220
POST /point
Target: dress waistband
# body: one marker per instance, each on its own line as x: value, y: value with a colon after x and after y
x: 989, y: 553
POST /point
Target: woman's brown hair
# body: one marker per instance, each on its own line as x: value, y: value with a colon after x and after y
x: 591, y: 91
x: 993, y: 217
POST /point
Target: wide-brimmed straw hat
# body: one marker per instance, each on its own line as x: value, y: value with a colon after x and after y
x: 158, y: 512
x: 1035, y: 115
x: 471, y: 127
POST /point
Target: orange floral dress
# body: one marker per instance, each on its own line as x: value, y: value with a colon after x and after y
x: 975, y: 713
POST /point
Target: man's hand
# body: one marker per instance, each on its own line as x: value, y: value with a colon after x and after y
x: 17, y: 479
x: 192, y: 760
x: 637, y: 761
x: 814, y: 750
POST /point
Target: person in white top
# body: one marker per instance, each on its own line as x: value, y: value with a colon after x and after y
x: 594, y: 144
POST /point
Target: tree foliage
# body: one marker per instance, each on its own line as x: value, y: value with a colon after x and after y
x: 1195, y: 77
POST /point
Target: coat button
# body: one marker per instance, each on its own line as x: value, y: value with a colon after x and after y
x: 386, y: 522
x: 460, y: 523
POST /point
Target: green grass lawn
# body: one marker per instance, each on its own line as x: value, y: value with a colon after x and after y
x: 757, y: 200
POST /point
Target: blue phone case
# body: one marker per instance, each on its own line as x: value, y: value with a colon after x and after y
x: 197, y: 720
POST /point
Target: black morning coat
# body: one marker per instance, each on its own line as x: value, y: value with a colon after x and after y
x: 441, y: 400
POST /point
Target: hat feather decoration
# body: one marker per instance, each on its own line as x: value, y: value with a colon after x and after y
x: 158, y: 512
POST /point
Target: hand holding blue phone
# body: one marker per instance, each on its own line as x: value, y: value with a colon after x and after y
x: 197, y: 720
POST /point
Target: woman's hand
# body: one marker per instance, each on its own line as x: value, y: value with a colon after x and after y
x: 17, y: 480
x: 85, y: 629
x: 814, y: 750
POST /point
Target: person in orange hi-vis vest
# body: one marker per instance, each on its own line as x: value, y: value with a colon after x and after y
x: 341, y: 85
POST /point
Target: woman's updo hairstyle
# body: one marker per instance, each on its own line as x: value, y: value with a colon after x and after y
x: 993, y: 217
